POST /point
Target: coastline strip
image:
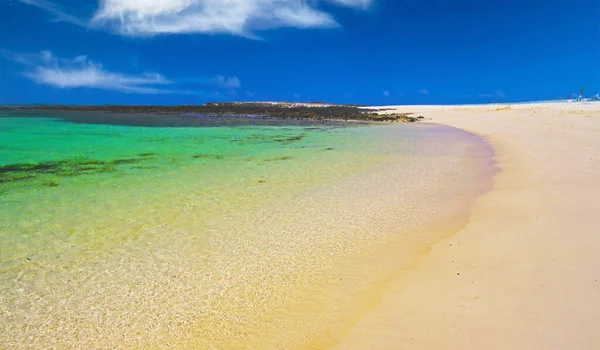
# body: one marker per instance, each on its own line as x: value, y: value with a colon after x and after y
x: 523, y: 273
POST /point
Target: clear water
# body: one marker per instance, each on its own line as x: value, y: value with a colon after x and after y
x: 213, y: 237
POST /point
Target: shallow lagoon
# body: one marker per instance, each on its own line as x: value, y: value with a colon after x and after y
x: 215, y: 237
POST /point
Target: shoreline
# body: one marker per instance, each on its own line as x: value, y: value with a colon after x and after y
x: 513, y: 268
x: 283, y: 257
x: 521, y: 273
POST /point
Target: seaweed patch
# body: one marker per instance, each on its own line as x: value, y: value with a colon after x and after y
x: 125, y: 161
x: 290, y: 139
x: 254, y: 139
x: 208, y: 156
x: 63, y: 168
x: 282, y: 158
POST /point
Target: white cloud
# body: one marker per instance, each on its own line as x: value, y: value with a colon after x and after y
x: 55, y: 10
x: 297, y: 95
x: 424, y: 91
x: 238, y: 17
x: 353, y: 3
x: 226, y: 82
x: 386, y: 93
x: 497, y: 94
x: 79, y: 72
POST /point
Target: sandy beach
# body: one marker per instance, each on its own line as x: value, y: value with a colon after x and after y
x: 523, y: 273
x: 410, y: 244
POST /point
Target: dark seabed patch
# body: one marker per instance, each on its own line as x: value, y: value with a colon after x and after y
x: 62, y: 168
x: 208, y: 156
x: 290, y: 139
x: 261, y: 139
x: 275, y: 159
x: 15, y: 178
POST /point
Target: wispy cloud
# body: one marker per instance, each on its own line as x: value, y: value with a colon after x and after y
x: 424, y: 91
x: 353, y: 3
x: 81, y: 72
x: 386, y: 93
x: 59, y: 14
x: 497, y: 94
x: 237, y: 17
x: 226, y: 82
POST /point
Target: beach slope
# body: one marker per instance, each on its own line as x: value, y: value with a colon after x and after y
x: 524, y: 272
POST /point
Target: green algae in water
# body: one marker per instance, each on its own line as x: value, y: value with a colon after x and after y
x: 39, y: 150
x: 208, y: 156
x: 55, y: 174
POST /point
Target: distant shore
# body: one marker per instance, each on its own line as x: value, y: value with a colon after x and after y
x: 241, y: 110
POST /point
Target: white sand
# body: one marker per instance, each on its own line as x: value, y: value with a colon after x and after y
x: 524, y: 273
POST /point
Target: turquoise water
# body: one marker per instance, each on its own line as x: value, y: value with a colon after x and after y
x: 60, y: 172
x: 211, y: 237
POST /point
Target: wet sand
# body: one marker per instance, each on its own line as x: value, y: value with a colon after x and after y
x: 523, y: 272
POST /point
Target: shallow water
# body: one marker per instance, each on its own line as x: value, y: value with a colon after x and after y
x: 215, y: 237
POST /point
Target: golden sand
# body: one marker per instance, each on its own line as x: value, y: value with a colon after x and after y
x: 523, y: 273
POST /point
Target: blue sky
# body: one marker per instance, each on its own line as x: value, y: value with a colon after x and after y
x: 344, y: 51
